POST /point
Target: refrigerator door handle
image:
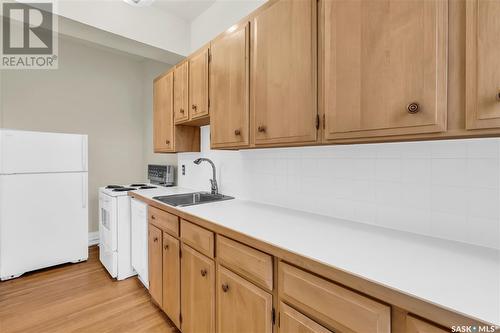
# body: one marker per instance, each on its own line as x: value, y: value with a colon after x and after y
x: 84, y: 190
x: 84, y: 153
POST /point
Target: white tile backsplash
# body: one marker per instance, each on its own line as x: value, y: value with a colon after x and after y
x: 447, y: 189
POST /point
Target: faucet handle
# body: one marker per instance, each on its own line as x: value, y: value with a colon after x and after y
x: 215, y: 189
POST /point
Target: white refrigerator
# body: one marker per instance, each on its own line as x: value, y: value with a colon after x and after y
x: 43, y: 200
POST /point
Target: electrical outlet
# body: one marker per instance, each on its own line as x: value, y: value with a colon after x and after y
x: 183, y: 170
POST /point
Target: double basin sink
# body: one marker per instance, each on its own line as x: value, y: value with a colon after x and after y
x: 190, y: 199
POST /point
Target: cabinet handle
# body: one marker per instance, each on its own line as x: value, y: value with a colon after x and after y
x: 498, y: 96
x: 166, y: 246
x: 155, y: 239
x: 203, y: 272
x: 181, y: 110
x: 261, y: 129
x: 153, y: 217
x: 194, y: 106
x: 167, y: 142
x: 413, y: 108
x: 237, y: 132
x: 225, y: 287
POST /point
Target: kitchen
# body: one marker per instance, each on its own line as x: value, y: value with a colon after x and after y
x: 280, y: 166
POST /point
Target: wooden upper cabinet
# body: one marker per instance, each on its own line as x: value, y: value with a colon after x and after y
x: 171, y: 278
x: 163, y: 132
x: 242, y: 306
x: 155, y: 264
x: 198, y: 84
x: 483, y: 59
x: 283, y: 73
x: 383, y: 67
x: 181, y: 109
x: 229, y: 90
x: 197, y: 292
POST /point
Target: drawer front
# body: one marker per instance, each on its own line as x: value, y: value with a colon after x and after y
x: 165, y: 221
x: 292, y: 321
x: 198, y: 238
x: 332, y: 304
x: 415, y: 325
x: 253, y: 264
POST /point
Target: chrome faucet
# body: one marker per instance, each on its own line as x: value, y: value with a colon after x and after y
x: 213, y: 181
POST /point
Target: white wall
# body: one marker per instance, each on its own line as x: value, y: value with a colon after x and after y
x: 144, y: 24
x: 97, y: 92
x: 219, y: 17
x: 446, y: 189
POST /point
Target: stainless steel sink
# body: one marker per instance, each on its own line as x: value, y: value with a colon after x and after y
x: 190, y: 199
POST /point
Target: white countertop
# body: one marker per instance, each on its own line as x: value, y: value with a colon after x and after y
x: 461, y: 277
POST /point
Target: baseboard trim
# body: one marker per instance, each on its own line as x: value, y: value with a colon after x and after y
x: 93, y: 238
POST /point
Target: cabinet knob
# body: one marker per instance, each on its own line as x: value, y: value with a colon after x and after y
x: 153, y: 217
x: 203, y: 272
x: 413, y: 108
x: 166, y: 247
x: 181, y: 110
x: 225, y: 287
x: 194, y: 106
x: 155, y: 239
x: 261, y: 129
x: 498, y: 96
x: 167, y: 142
x: 237, y: 132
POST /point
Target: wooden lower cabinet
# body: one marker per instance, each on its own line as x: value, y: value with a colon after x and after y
x: 171, y: 279
x: 241, y: 305
x: 155, y: 264
x: 197, y: 292
x: 292, y: 321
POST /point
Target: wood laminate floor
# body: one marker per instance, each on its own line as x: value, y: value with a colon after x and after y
x: 78, y: 298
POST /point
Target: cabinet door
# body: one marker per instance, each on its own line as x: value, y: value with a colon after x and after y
x: 414, y: 325
x: 171, y: 278
x: 483, y: 70
x: 383, y: 67
x: 198, y: 84
x: 163, y: 126
x: 229, y: 69
x: 283, y: 73
x: 292, y: 321
x: 181, y: 111
x: 155, y: 264
x: 197, y: 292
x: 242, y: 306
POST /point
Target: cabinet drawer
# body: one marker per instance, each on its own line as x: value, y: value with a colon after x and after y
x: 163, y: 220
x: 415, y: 325
x: 332, y: 304
x: 253, y: 264
x: 292, y: 321
x: 198, y: 238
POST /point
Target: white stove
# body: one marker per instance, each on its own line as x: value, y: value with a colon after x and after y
x: 115, y: 228
x: 120, y: 229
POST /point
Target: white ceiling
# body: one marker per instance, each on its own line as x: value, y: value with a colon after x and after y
x: 186, y: 9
